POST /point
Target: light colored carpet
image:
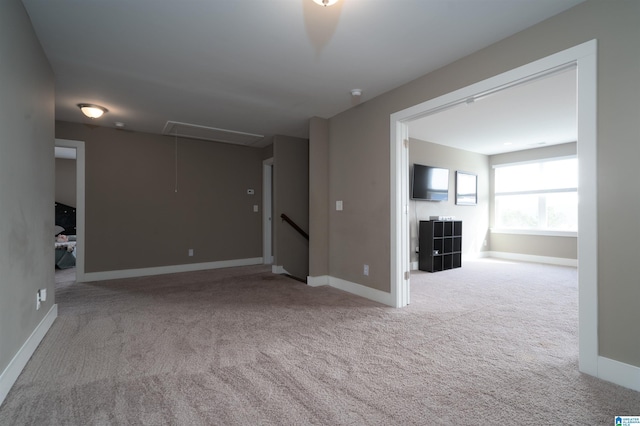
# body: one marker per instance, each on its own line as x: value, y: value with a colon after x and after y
x: 491, y: 343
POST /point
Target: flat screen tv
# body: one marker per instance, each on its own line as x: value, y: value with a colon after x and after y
x: 429, y: 183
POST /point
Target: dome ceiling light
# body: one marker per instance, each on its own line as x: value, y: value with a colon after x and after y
x: 92, y: 111
x: 325, y: 3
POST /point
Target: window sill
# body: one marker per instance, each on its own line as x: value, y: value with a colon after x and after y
x: 538, y: 232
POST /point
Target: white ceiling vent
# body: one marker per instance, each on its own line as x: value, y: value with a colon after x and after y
x: 194, y: 131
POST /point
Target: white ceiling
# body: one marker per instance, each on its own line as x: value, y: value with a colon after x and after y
x: 256, y: 66
x: 533, y: 114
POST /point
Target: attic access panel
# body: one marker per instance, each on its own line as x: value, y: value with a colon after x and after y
x: 195, y: 131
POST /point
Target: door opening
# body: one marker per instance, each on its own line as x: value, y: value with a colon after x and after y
x: 267, y: 211
x: 584, y: 58
x: 80, y: 201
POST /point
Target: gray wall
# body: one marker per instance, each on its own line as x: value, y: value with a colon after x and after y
x: 359, y: 170
x: 359, y: 155
x: 318, y: 197
x: 291, y: 197
x: 27, y: 176
x: 66, y: 181
x: 475, y: 219
x: 131, y: 197
x: 537, y: 245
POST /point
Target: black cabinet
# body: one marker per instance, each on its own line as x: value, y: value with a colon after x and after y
x: 440, y: 245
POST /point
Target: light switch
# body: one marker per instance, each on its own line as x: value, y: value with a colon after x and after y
x: 255, y: 208
x: 339, y: 205
x: 250, y: 192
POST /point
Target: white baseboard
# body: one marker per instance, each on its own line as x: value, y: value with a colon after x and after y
x: 318, y: 281
x: 353, y: 288
x: 279, y: 269
x: 619, y: 373
x: 172, y: 269
x: 363, y: 291
x: 532, y: 258
x: 19, y: 361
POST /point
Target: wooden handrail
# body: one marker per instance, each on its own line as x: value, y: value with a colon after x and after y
x: 294, y: 225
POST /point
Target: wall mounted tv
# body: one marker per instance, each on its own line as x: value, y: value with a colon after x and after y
x: 429, y: 183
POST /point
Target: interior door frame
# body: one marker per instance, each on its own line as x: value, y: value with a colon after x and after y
x: 80, y: 203
x: 584, y: 57
x: 267, y: 211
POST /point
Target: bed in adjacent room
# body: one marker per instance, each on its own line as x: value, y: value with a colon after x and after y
x: 65, y: 236
x: 65, y: 253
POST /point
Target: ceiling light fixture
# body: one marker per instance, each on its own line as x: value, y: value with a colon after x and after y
x: 325, y: 3
x: 92, y: 111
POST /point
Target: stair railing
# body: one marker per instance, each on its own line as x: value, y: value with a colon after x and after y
x: 294, y: 225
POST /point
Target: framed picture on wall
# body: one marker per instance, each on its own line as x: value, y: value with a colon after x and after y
x: 466, y: 188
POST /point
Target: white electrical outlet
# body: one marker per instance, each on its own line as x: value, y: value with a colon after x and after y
x: 255, y: 208
x: 339, y: 205
x: 366, y: 270
x: 190, y: 252
x: 41, y: 296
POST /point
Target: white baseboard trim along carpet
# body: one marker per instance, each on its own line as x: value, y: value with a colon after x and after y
x: 619, y: 373
x: 17, y: 364
x: 318, y: 281
x: 172, y: 269
x: 353, y: 288
x: 279, y: 269
x: 363, y: 291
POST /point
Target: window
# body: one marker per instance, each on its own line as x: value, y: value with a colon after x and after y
x: 538, y: 196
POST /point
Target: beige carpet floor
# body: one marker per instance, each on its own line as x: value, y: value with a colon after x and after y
x: 491, y: 343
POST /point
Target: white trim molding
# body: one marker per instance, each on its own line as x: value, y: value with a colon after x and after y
x: 619, y: 373
x: 318, y: 281
x: 19, y: 361
x: 353, y: 288
x: 267, y: 211
x: 172, y: 269
x: 279, y: 269
x: 363, y: 291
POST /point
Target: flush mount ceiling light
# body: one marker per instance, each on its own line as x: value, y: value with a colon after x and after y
x: 325, y: 2
x: 92, y: 111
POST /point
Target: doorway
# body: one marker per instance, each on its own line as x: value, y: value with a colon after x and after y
x: 584, y: 58
x: 267, y: 211
x: 80, y: 201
